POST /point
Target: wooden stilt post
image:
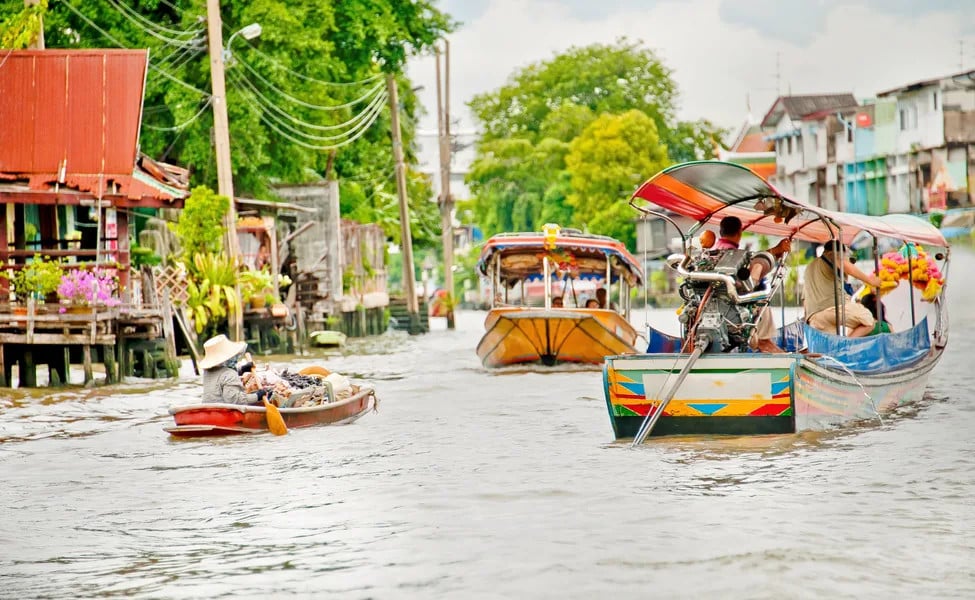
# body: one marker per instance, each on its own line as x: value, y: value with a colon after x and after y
x: 66, y: 365
x: 3, y: 364
x: 28, y: 371
x: 172, y: 362
x: 86, y: 354
x: 109, y: 359
x: 53, y: 377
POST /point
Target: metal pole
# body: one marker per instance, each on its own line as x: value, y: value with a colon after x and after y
x: 446, y: 202
x: 221, y: 135
x: 910, y: 279
x: 409, y: 283
x: 876, y: 270
x: 652, y: 417
x: 548, y: 285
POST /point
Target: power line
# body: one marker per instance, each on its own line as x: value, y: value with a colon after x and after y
x: 274, y: 63
x: 185, y: 123
x: 111, y: 38
x: 372, y: 112
x: 154, y: 29
x: 300, y: 102
x: 270, y: 105
x: 303, y: 144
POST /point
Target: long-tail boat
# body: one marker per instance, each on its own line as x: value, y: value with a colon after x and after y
x: 523, y: 328
x: 708, y: 380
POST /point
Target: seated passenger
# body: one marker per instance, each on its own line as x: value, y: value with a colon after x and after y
x: 819, y: 293
x: 557, y: 302
x: 592, y: 303
x: 221, y: 383
x: 877, y: 309
x: 601, y: 299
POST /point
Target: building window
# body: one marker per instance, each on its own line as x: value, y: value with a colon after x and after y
x: 908, y: 117
x: 849, y: 135
x: 934, y: 100
x: 790, y: 146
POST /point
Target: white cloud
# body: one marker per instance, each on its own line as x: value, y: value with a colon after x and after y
x: 849, y: 47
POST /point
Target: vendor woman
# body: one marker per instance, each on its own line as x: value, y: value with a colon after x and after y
x: 221, y: 383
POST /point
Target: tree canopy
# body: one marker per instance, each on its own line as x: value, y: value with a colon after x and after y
x: 606, y: 162
x: 312, y: 84
x: 568, y: 139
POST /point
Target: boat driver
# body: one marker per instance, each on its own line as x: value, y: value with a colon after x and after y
x: 221, y: 383
x: 730, y: 230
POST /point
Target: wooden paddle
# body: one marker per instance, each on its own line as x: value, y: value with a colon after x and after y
x: 275, y: 422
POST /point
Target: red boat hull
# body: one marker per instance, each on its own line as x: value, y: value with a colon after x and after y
x: 200, y: 420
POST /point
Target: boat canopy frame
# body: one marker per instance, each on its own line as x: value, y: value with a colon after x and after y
x: 707, y: 191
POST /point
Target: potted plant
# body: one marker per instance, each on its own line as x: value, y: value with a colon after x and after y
x: 256, y: 287
x: 84, y: 289
x: 36, y: 280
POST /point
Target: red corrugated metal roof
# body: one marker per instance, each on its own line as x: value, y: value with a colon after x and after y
x: 72, y: 117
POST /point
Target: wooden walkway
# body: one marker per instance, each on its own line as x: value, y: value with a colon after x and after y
x: 127, y: 340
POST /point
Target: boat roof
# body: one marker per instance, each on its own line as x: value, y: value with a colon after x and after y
x: 580, y: 245
x: 708, y: 191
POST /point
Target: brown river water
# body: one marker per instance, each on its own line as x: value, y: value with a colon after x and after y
x: 471, y: 484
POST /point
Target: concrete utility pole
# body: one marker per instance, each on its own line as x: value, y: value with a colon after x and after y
x: 221, y: 135
x: 38, y: 43
x: 406, y: 242
x: 446, y: 201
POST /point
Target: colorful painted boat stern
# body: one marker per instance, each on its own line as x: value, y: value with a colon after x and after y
x: 730, y: 394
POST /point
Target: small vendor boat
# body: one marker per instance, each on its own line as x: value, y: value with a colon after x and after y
x: 526, y: 326
x: 314, y: 405
x: 197, y: 420
x: 708, y: 380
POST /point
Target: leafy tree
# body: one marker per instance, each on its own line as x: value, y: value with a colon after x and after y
x: 566, y: 121
x: 513, y: 180
x: 549, y: 105
x: 694, y: 140
x: 200, y: 227
x: 606, y: 163
x: 601, y: 77
x: 21, y: 28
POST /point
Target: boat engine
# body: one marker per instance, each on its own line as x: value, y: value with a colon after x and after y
x: 721, y: 305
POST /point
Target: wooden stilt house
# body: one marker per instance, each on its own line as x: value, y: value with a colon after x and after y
x: 71, y: 177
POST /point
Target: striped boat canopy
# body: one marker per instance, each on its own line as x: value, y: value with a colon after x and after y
x: 708, y: 191
x: 520, y: 255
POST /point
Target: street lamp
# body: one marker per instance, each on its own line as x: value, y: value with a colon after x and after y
x: 249, y: 32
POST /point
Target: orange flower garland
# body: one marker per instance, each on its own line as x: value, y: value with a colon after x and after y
x: 913, y: 263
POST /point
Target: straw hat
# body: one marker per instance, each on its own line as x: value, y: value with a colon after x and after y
x: 218, y: 350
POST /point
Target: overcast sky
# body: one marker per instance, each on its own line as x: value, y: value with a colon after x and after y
x: 721, y: 51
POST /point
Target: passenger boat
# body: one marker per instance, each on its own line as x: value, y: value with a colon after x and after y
x: 706, y: 381
x: 212, y: 419
x: 525, y: 329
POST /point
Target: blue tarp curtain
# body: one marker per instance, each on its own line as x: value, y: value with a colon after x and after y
x: 661, y: 343
x: 874, y: 353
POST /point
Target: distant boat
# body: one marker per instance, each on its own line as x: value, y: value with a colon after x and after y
x: 526, y: 330
x: 707, y: 381
x: 327, y: 338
